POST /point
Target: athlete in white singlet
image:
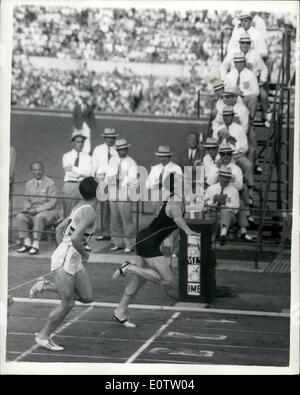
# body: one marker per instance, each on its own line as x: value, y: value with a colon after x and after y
x: 67, y: 262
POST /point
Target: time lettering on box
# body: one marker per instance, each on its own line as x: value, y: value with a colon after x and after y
x: 193, y: 289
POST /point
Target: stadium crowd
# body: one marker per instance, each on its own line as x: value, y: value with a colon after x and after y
x: 153, y: 36
x: 229, y: 154
x: 115, y: 92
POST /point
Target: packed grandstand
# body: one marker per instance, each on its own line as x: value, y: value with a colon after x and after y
x: 110, y: 49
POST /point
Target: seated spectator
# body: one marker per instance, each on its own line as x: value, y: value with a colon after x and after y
x: 121, y: 176
x: 246, y: 82
x: 218, y: 88
x: 231, y: 98
x: 40, y: 209
x: 234, y: 134
x: 224, y: 196
x: 257, y: 37
x: 226, y: 159
x: 255, y: 63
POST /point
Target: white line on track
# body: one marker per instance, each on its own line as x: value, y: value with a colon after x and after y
x: 69, y: 355
x: 170, y: 343
x: 179, y: 335
x: 165, y: 340
x: 152, y: 338
x: 113, y: 117
x: 165, y: 308
x: 65, y: 326
x: 102, y: 357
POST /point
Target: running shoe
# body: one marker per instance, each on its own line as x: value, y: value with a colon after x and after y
x: 38, y: 287
x: 125, y: 322
x: 48, y: 344
x: 120, y: 272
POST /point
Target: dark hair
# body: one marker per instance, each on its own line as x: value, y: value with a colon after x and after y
x: 37, y: 163
x: 193, y: 133
x: 88, y: 187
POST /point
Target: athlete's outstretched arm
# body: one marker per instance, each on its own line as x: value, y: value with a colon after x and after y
x: 175, y: 212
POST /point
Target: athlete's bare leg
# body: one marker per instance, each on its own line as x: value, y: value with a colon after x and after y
x: 65, y: 286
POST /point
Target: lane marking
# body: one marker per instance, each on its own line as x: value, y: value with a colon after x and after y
x: 222, y: 321
x: 65, y: 326
x: 69, y: 355
x: 102, y: 357
x: 187, y: 353
x: 188, y: 344
x: 113, y: 117
x: 152, y: 338
x: 179, y: 335
x: 165, y: 308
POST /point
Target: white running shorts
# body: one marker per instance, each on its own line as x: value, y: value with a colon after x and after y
x: 67, y: 257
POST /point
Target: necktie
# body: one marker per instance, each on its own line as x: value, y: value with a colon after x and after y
x: 119, y: 172
x: 76, y: 163
x: 221, y: 193
x: 109, y: 154
x: 191, y: 156
x: 238, y: 81
x: 37, y: 183
x: 161, y: 178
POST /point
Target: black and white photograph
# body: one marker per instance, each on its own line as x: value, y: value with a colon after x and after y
x: 150, y: 188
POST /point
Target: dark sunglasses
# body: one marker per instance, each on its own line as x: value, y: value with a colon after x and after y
x: 226, y: 153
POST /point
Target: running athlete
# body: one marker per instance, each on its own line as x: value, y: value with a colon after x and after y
x: 71, y: 279
x: 150, y: 264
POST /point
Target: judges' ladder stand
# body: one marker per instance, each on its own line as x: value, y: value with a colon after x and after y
x: 275, y: 182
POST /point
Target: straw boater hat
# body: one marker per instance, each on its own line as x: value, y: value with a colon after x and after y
x: 228, y: 110
x: 231, y: 91
x: 239, y: 57
x: 122, y: 144
x: 77, y: 133
x: 245, y: 38
x: 210, y: 143
x: 163, y: 150
x: 109, y: 132
x: 225, y: 147
x: 225, y: 172
x: 218, y: 85
x: 244, y: 15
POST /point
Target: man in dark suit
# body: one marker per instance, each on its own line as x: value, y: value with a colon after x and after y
x: 192, y: 153
x: 191, y: 156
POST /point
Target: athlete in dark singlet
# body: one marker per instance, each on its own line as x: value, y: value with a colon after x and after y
x: 150, y: 264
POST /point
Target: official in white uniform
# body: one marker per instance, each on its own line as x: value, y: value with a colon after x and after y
x: 101, y: 156
x: 234, y: 134
x: 157, y: 175
x: 226, y: 159
x: 241, y: 113
x: 224, y: 196
x: 77, y: 165
x: 257, y: 37
x: 121, y: 177
x: 246, y: 81
x: 255, y: 63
